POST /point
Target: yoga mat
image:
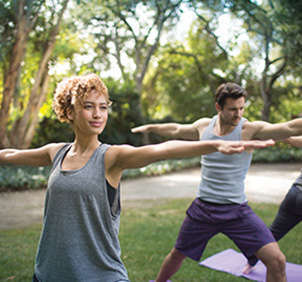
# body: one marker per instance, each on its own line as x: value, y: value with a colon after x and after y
x: 233, y: 262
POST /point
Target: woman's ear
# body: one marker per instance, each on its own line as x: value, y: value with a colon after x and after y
x: 70, y: 114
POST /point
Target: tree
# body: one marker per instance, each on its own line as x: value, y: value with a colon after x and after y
x: 260, y: 23
x: 184, y: 80
x: 25, y: 17
x: 267, y: 25
x: 130, y: 32
x: 288, y: 15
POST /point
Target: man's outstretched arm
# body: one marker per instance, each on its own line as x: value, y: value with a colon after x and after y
x: 278, y: 131
x: 171, y: 130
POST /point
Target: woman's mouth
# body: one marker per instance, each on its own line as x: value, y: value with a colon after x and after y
x: 95, y: 124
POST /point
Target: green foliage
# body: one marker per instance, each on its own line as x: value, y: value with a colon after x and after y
x: 6, y: 28
x: 288, y: 104
x: 132, y: 27
x: 20, y: 178
x: 162, y: 167
x: 287, y: 15
x: 278, y: 153
x: 124, y: 114
x: 52, y: 131
x: 183, y: 83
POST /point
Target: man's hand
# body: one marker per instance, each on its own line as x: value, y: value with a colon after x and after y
x: 257, y: 144
x: 231, y: 147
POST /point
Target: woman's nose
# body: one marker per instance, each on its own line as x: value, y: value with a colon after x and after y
x: 97, y: 113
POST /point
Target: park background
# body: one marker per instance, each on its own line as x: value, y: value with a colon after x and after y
x: 162, y: 61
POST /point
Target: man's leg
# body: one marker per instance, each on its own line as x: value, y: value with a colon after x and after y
x: 196, y: 230
x: 288, y: 216
x: 275, y: 262
x: 170, y: 265
x: 252, y: 236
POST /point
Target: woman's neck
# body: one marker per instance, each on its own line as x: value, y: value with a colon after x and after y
x: 82, y: 145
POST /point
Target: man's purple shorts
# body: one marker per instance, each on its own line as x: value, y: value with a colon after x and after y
x: 237, y: 221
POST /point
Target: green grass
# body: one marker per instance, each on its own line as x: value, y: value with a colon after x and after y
x: 147, y: 234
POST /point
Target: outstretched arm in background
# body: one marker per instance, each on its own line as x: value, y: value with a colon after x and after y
x: 175, y: 130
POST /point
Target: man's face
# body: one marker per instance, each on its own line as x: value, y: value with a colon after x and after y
x: 232, y: 111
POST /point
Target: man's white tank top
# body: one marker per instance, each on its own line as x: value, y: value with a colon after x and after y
x: 223, y: 176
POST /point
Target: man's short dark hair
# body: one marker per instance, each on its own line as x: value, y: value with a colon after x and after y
x: 229, y: 90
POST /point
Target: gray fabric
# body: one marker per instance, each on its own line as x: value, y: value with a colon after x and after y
x: 288, y: 216
x: 223, y: 176
x: 79, y: 240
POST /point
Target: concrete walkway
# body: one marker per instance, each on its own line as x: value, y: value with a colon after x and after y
x: 264, y: 183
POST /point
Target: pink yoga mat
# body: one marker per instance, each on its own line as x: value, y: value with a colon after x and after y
x: 233, y: 262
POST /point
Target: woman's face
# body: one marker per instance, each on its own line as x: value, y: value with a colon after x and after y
x: 90, y: 116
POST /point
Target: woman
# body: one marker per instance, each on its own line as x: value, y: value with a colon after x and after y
x: 79, y: 240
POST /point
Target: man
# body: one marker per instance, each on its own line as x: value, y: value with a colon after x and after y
x: 290, y: 210
x: 221, y: 205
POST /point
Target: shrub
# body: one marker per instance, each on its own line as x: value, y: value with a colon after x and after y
x: 278, y: 153
x: 21, y: 177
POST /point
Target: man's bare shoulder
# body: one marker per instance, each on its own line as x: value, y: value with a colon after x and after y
x: 251, y: 128
x: 200, y: 125
x: 202, y: 122
x: 258, y: 124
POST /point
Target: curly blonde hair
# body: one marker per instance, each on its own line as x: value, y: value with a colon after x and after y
x: 73, y: 90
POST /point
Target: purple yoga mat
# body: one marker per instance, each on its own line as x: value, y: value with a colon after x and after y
x: 233, y: 262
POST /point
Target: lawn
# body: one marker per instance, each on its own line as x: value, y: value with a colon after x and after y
x: 148, y: 231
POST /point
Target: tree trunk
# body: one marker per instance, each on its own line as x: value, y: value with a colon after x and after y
x: 267, y: 84
x: 267, y: 100
x: 24, y: 128
x: 14, y: 66
x: 29, y: 134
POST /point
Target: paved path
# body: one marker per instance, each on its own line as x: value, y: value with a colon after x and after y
x: 264, y: 183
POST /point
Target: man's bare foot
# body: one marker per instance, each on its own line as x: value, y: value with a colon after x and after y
x: 247, y: 269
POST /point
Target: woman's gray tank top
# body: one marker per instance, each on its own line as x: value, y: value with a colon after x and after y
x: 79, y: 240
x: 223, y: 176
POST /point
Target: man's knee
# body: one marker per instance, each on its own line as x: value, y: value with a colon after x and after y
x: 278, y: 261
x: 272, y: 257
